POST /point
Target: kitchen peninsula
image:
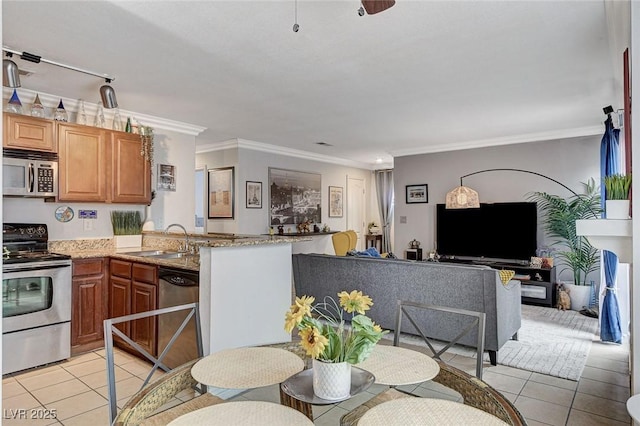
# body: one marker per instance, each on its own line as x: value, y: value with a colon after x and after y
x: 245, y: 289
x: 245, y: 282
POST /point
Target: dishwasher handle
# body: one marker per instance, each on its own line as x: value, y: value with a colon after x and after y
x: 179, y: 279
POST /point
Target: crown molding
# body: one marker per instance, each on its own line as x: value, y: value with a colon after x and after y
x: 289, y: 152
x: 507, y: 140
x: 50, y: 102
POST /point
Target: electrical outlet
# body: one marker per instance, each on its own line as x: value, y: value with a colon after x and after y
x: 88, y: 224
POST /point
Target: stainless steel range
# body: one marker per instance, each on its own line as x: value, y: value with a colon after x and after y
x: 36, y: 299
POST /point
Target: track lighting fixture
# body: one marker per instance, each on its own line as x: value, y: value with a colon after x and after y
x: 10, y: 77
x: 108, y: 95
x: 10, y: 73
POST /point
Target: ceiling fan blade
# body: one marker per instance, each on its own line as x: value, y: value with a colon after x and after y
x: 375, y: 6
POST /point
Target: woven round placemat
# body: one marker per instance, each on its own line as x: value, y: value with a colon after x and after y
x: 395, y: 366
x: 243, y: 413
x: 426, y: 412
x: 245, y: 368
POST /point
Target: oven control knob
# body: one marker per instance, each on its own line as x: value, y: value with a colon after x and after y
x: 41, y: 231
x: 31, y: 231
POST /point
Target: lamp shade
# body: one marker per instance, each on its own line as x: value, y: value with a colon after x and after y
x: 10, y: 75
x: 462, y: 197
x: 108, y: 96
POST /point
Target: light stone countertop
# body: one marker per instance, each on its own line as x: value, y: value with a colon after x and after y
x: 158, y: 240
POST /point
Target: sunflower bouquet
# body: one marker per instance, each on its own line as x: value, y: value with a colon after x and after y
x: 323, y: 332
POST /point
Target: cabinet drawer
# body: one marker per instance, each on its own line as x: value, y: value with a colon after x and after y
x: 121, y: 268
x: 87, y: 267
x: 144, y: 273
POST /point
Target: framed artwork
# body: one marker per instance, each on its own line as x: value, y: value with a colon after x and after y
x: 294, y: 197
x: 166, y: 177
x: 335, y: 201
x: 254, y: 195
x: 417, y: 194
x: 221, y: 196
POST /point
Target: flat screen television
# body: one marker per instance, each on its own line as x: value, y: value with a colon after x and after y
x: 501, y: 231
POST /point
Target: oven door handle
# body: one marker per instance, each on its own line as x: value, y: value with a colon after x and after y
x: 9, y: 269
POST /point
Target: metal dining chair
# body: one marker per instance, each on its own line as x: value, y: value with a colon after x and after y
x: 145, y: 406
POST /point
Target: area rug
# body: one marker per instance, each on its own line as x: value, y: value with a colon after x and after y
x: 550, y: 341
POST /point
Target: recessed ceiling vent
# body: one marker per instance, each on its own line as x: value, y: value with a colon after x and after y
x: 323, y: 144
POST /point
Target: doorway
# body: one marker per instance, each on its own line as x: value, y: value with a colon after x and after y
x: 356, y: 209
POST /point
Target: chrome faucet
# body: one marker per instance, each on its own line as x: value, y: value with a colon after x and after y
x: 186, y: 236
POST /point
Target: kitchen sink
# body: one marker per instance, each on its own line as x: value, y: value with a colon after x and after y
x: 150, y: 253
x: 159, y: 254
x: 171, y: 255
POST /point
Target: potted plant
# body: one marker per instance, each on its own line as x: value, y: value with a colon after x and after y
x: 559, y: 222
x: 334, y: 346
x: 127, y: 228
x: 617, y: 188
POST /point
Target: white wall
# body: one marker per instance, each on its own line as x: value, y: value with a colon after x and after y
x: 254, y: 165
x: 569, y: 161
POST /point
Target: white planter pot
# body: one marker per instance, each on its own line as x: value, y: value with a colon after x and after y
x: 579, y: 295
x: 331, y: 381
x: 617, y: 209
x: 127, y: 241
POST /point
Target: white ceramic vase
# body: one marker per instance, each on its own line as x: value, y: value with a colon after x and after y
x: 617, y: 209
x: 331, y: 381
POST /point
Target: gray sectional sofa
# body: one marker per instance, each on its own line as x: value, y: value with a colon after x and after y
x: 475, y: 288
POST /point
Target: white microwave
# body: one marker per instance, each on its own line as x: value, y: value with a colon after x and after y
x: 29, y: 173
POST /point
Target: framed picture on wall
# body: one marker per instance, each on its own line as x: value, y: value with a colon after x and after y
x: 335, y: 201
x: 221, y: 196
x: 254, y: 195
x: 417, y: 194
x: 166, y: 177
x: 294, y: 197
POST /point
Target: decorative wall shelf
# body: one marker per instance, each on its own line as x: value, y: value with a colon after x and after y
x: 608, y: 234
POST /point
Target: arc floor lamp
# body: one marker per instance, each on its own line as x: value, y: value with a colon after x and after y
x: 463, y: 197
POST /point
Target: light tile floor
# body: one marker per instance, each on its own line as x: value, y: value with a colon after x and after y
x: 76, y: 389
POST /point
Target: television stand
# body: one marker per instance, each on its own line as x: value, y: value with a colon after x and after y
x: 538, y: 285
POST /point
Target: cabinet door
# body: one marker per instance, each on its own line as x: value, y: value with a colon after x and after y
x: 120, y: 300
x: 89, y: 300
x: 23, y: 132
x: 83, y: 173
x: 86, y: 319
x: 131, y: 173
x: 143, y: 331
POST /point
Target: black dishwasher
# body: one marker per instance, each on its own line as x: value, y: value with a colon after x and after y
x: 177, y: 287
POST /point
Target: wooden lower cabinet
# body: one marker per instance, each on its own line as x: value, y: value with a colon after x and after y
x: 133, y: 288
x: 89, y: 304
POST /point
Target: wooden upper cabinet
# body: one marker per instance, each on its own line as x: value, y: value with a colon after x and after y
x: 24, y: 132
x: 83, y: 171
x: 130, y: 171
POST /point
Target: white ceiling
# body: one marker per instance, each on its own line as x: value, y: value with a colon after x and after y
x: 423, y: 76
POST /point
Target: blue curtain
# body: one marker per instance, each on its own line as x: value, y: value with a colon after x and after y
x: 610, y: 330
